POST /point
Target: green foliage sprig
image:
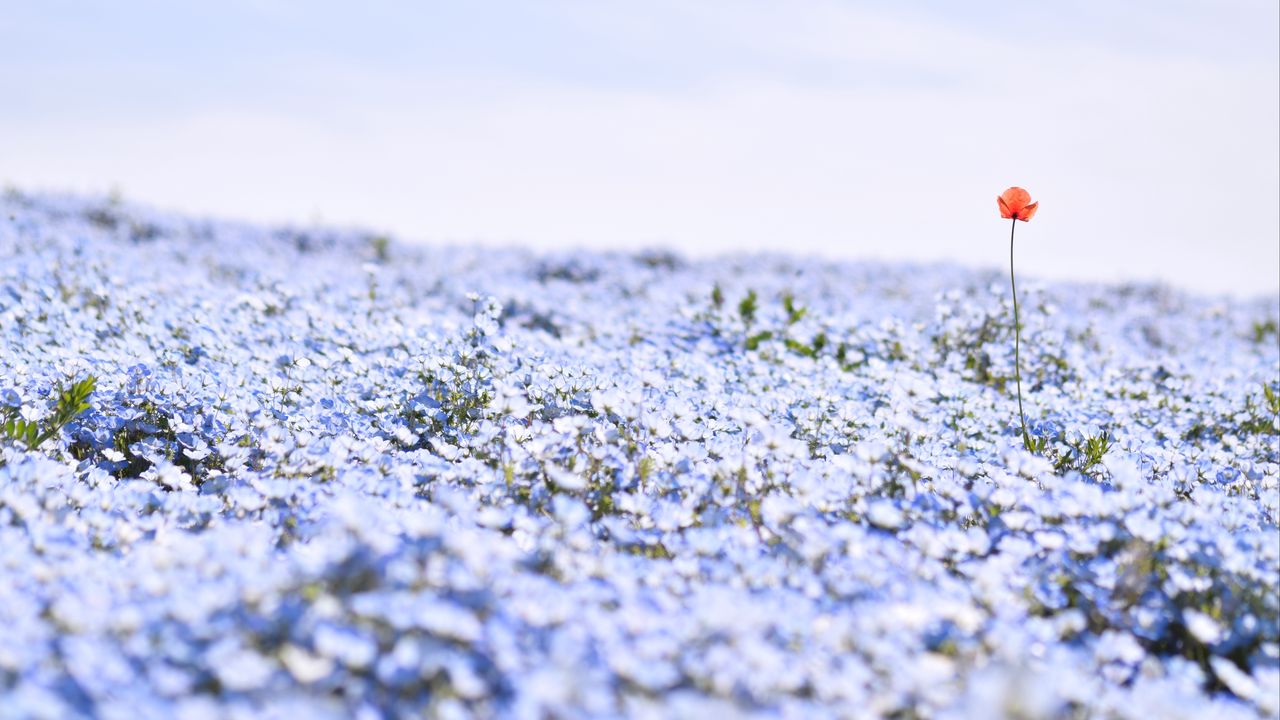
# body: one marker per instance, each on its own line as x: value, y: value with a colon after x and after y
x: 71, y: 400
x: 1084, y: 455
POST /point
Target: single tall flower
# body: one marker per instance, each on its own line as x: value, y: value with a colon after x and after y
x: 1015, y: 204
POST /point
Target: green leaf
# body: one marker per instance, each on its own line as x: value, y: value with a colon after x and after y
x: 71, y: 402
x: 795, y: 313
x: 800, y: 348
x: 748, y: 306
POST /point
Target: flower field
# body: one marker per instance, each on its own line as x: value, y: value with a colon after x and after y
x: 327, y: 474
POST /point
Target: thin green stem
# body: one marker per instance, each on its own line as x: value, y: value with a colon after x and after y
x: 1017, y: 362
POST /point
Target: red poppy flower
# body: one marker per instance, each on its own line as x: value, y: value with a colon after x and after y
x: 1016, y: 203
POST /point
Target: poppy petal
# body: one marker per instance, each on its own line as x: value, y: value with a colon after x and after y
x: 1028, y: 212
x: 1005, y: 212
x: 1016, y: 198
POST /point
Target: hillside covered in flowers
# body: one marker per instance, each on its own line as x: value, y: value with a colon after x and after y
x: 251, y: 471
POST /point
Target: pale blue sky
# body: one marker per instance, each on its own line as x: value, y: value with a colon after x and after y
x: 1149, y: 130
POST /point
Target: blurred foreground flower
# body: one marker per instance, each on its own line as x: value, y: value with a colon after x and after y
x: 1015, y: 204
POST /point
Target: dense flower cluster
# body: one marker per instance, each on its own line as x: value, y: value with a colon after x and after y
x: 326, y: 475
